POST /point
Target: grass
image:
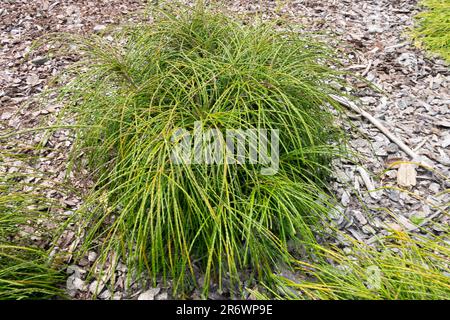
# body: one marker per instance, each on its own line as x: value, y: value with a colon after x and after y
x: 432, y: 30
x: 25, y: 269
x: 25, y: 274
x: 405, y: 267
x: 225, y: 222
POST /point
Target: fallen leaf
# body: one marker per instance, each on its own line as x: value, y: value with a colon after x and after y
x: 406, y: 175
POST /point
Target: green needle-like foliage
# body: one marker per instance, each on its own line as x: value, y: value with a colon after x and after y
x: 25, y: 270
x: 135, y: 88
x: 25, y: 274
x: 433, y: 27
x: 406, y: 267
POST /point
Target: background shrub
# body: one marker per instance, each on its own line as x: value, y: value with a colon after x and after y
x: 26, y: 270
x: 432, y: 29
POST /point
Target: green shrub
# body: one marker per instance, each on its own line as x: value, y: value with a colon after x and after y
x: 432, y: 29
x: 134, y: 88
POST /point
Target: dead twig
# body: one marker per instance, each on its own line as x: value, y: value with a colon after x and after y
x: 420, y: 145
x: 347, y: 103
x: 366, y: 71
x: 415, y: 157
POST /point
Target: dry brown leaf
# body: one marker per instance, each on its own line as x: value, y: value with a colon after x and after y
x: 406, y: 175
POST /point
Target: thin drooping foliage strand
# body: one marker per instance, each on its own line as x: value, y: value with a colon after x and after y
x: 405, y: 267
x: 26, y: 271
x: 132, y: 91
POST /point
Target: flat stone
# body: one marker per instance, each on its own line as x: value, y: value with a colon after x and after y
x: 149, y: 294
x: 96, y: 287
x: 434, y: 187
x: 392, y: 148
x: 359, y: 217
x: 39, y: 61
x: 99, y: 28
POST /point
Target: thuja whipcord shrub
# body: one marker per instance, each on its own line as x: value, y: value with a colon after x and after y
x: 136, y: 88
x: 432, y: 30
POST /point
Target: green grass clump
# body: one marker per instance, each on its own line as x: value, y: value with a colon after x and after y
x: 432, y: 30
x: 131, y: 92
x: 406, y: 267
x: 25, y: 274
x: 25, y: 269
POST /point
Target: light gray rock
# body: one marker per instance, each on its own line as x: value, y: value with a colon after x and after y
x: 359, y: 217
x: 99, y: 28
x: 95, y: 287
x: 39, y: 61
x: 149, y: 294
